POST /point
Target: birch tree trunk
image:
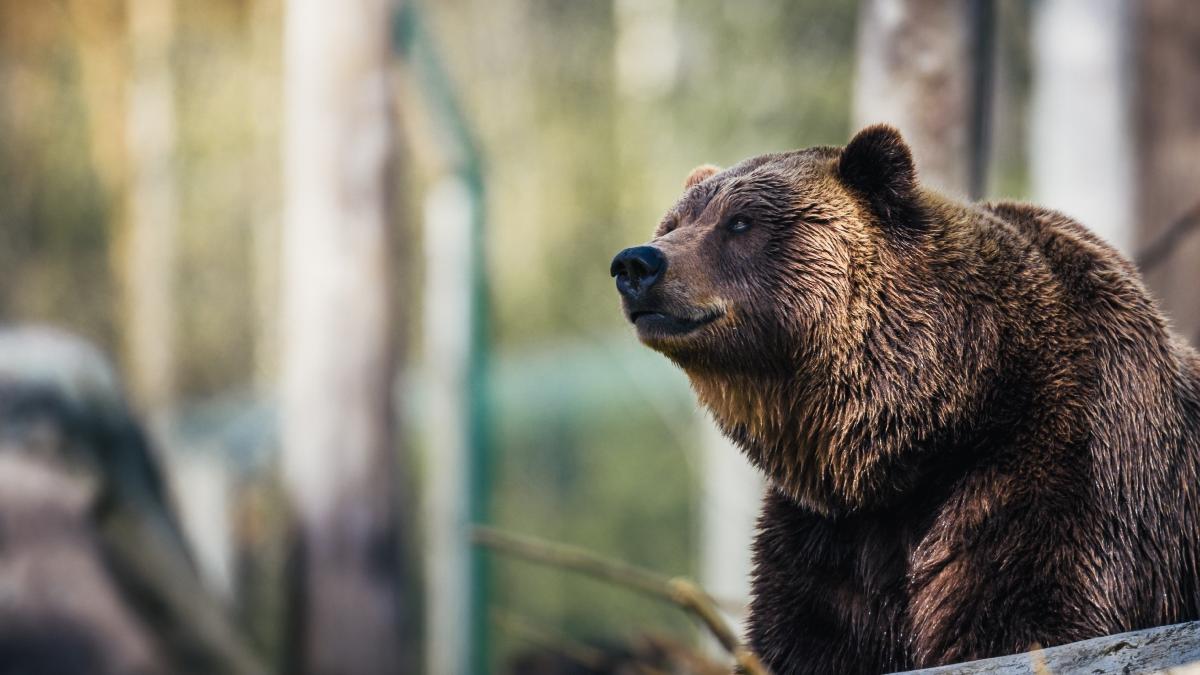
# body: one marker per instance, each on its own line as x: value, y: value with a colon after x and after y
x: 1167, y: 122
x: 338, y: 356
x: 1080, y: 148
x: 447, y: 305
x: 921, y: 66
x: 148, y: 245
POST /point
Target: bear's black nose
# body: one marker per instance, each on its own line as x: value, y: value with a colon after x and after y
x: 636, y: 270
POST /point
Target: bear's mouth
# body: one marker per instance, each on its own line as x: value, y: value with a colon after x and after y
x: 653, y: 324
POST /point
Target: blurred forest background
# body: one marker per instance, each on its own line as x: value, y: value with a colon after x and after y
x: 145, y: 165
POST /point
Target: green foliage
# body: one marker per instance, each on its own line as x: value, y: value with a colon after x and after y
x: 54, y: 243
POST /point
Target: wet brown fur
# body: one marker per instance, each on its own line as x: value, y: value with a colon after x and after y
x: 979, y: 433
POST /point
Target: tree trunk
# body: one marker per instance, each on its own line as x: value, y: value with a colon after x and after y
x: 924, y: 67
x: 265, y: 20
x: 1079, y: 147
x: 148, y: 245
x: 338, y: 357
x: 447, y: 305
x: 731, y: 495
x: 1167, y: 122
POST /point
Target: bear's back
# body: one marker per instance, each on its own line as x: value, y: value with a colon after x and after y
x: 1143, y: 418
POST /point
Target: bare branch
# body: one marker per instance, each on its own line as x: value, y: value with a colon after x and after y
x: 1159, y: 250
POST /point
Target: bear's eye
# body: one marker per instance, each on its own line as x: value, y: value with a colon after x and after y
x: 738, y: 224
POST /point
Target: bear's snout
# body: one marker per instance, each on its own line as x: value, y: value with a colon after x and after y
x: 637, y: 269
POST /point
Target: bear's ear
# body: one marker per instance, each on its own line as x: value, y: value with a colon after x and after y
x: 700, y: 173
x: 878, y: 165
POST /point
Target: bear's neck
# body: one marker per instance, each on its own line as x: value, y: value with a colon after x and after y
x: 828, y: 450
x: 840, y: 436
x: 835, y: 446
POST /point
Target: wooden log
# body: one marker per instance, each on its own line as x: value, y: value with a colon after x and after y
x: 1144, y: 651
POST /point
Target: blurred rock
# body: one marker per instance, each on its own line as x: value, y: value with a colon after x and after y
x: 94, y: 572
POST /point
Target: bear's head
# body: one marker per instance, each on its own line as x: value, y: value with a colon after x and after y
x: 794, y: 291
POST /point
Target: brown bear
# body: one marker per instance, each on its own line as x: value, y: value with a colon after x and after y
x: 979, y: 433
